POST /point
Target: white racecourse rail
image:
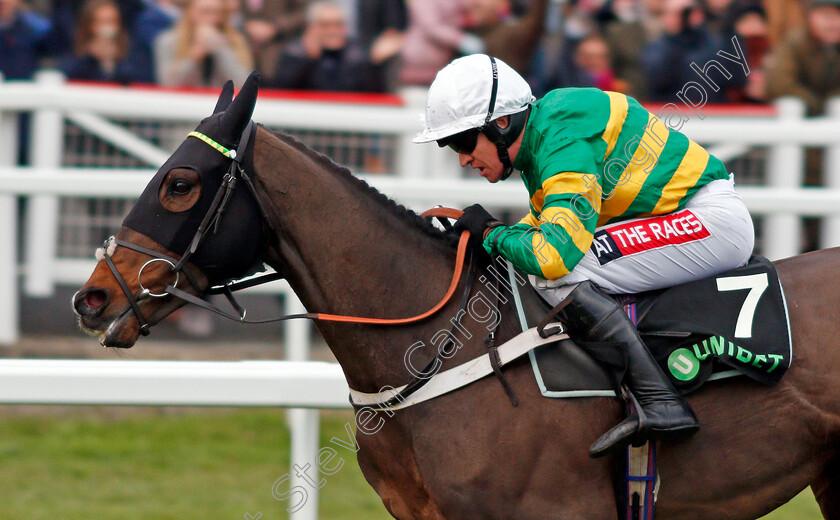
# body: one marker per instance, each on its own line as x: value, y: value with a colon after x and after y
x: 309, y: 384
x: 424, y: 176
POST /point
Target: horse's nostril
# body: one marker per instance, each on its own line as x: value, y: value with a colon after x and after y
x: 95, y: 299
x: 91, y: 302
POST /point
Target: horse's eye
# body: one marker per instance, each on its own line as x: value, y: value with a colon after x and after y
x: 181, y: 187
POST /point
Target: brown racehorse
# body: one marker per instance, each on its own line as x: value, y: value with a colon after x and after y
x: 347, y: 249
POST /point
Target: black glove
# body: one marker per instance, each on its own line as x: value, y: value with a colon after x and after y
x: 476, y: 220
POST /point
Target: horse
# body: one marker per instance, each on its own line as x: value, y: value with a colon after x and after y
x: 347, y: 249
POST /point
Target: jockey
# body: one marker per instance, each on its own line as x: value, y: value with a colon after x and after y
x: 619, y: 203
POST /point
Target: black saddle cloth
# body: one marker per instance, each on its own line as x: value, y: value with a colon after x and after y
x: 734, y: 323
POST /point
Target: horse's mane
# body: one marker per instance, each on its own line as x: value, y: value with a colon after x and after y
x: 398, y: 210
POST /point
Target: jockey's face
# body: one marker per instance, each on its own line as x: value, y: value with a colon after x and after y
x: 485, y: 159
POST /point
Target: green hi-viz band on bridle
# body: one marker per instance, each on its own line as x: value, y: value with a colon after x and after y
x: 224, y: 151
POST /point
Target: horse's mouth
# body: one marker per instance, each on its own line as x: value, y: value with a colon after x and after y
x: 121, y: 332
x: 121, y: 328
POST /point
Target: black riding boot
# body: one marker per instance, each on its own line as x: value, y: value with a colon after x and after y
x: 595, y: 317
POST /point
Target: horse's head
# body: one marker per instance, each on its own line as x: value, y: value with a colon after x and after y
x: 190, y: 228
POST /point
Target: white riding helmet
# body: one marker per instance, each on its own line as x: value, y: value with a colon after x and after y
x: 461, y: 94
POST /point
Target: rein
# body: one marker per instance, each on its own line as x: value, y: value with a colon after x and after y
x: 211, y: 221
x: 228, y: 289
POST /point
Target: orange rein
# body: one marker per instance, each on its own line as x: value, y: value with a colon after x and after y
x: 456, y: 276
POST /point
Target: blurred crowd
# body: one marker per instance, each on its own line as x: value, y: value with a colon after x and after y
x: 743, y: 51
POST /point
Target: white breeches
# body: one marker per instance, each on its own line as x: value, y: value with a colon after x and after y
x: 712, y: 234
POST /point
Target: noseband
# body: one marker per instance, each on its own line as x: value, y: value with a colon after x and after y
x: 211, y: 219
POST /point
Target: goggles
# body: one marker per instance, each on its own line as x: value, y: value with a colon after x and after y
x: 462, y: 142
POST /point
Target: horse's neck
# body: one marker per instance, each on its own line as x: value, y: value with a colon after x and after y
x: 344, y: 252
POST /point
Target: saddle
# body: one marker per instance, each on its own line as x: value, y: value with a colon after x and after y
x: 735, y: 323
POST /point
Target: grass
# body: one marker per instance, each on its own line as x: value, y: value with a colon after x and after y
x: 802, y: 507
x: 214, y: 464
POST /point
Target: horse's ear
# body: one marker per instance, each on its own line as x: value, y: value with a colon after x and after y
x: 240, y: 110
x: 224, y: 98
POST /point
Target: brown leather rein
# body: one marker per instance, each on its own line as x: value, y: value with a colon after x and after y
x: 228, y: 289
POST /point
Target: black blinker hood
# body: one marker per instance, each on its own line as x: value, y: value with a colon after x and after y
x: 232, y: 250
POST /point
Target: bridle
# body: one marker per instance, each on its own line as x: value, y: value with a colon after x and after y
x: 212, y: 218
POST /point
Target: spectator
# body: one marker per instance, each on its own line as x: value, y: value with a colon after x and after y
x: 203, y: 49
x: 588, y: 66
x: 747, y: 20
x: 567, y: 24
x: 382, y: 26
x: 324, y: 58
x: 783, y: 17
x: 233, y: 14
x: 434, y: 37
x: 578, y: 21
x: 156, y: 18
x: 350, y: 9
x: 626, y: 35
x: 686, y: 40
x: 66, y: 14
x: 24, y: 43
x: 270, y: 25
x: 24, y: 40
x: 715, y: 11
x: 377, y: 17
x: 806, y: 63
x: 652, y: 17
x: 592, y: 65
x: 101, y: 45
x: 509, y: 38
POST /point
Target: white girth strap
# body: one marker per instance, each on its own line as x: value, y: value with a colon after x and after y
x: 460, y: 376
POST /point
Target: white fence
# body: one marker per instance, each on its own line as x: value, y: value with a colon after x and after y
x: 291, y: 384
x: 104, y: 111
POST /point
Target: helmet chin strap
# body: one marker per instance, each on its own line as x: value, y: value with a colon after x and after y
x: 505, y: 158
x: 504, y: 138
